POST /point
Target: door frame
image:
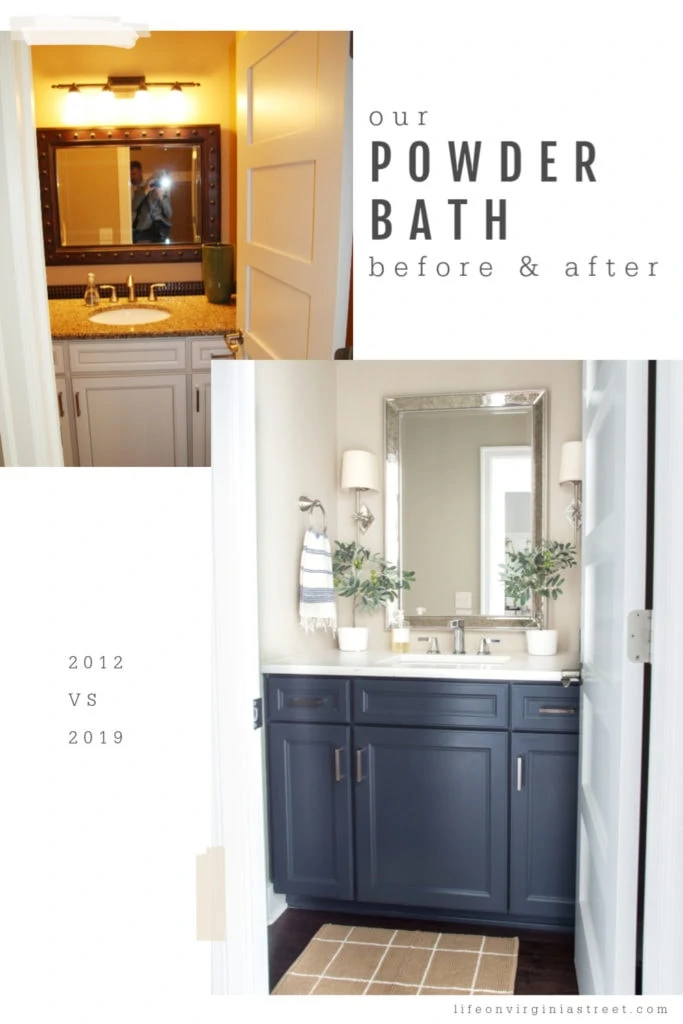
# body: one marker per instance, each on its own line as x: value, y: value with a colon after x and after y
x: 663, y: 882
x: 240, y: 963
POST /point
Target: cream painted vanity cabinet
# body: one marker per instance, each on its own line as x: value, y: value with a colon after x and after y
x: 140, y: 402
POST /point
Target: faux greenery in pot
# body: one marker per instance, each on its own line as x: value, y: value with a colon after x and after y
x: 370, y: 581
x: 538, y: 571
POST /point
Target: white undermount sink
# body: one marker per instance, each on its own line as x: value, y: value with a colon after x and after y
x: 446, y: 660
x: 129, y: 316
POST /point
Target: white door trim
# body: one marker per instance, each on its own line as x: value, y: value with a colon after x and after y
x: 615, y: 404
x: 663, y: 912
x: 29, y: 417
x: 240, y: 964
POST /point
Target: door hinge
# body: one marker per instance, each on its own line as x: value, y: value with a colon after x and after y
x: 258, y: 712
x: 639, y: 643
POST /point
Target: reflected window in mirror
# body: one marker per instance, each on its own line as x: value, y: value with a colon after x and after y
x: 464, y: 483
x: 505, y: 475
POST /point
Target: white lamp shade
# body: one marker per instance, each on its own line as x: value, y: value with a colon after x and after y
x: 359, y: 470
x: 571, y: 463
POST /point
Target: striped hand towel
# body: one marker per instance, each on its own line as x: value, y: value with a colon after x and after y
x: 317, y: 608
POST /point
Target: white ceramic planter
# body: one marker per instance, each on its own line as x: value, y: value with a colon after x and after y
x: 352, y: 638
x: 541, y: 642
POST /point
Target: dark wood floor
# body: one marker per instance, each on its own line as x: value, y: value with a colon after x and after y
x: 545, y: 966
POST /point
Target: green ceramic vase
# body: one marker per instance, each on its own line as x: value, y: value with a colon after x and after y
x: 218, y: 271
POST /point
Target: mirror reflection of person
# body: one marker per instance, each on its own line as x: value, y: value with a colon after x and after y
x: 150, y: 207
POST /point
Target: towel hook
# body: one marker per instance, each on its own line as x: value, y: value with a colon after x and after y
x: 308, y: 505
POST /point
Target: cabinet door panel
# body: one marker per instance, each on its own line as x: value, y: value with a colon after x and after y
x: 64, y: 408
x: 544, y: 774
x: 310, y: 808
x: 131, y: 421
x: 201, y: 419
x: 431, y: 818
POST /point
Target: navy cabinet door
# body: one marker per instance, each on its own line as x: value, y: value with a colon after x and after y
x: 310, y: 810
x: 544, y: 780
x: 431, y: 817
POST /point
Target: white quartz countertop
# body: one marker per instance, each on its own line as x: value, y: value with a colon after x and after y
x: 519, y: 667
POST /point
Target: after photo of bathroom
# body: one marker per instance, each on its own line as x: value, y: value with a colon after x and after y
x: 182, y: 198
x: 443, y: 656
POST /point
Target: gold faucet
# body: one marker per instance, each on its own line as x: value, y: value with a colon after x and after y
x: 130, y: 285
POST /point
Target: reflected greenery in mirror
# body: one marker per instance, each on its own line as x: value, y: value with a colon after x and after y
x: 465, y: 483
x: 129, y: 195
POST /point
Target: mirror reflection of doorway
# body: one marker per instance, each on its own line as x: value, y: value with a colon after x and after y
x: 505, y: 518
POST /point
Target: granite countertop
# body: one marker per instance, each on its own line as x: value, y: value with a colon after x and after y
x: 519, y: 668
x: 191, y: 316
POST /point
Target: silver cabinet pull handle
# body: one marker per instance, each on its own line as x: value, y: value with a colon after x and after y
x: 337, y: 764
x: 557, y: 711
x: 359, y: 765
x: 77, y: 399
x: 519, y: 774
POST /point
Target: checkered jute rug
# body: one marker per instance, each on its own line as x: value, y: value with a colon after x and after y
x: 340, y: 960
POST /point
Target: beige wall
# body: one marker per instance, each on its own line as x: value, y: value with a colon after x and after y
x: 205, y: 57
x: 295, y: 454
x: 361, y: 388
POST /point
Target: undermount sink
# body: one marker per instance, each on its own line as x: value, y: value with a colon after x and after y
x: 129, y: 316
x: 444, y: 660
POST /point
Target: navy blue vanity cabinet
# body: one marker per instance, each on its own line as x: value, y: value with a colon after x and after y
x: 309, y: 780
x: 543, y: 801
x: 431, y: 817
x: 447, y: 798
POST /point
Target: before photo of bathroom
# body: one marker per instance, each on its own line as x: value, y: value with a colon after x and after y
x: 177, y: 197
x: 435, y: 682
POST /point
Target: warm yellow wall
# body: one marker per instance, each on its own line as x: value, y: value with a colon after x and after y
x: 205, y: 57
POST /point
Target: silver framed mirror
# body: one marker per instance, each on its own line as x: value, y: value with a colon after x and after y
x: 465, y: 481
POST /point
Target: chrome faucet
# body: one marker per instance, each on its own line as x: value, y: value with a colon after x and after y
x: 130, y: 285
x: 458, y: 627
x: 432, y: 644
x: 484, y: 644
x: 152, y: 293
x: 111, y: 288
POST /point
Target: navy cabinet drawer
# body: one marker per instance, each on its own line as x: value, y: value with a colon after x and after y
x: 545, y: 707
x: 308, y: 699
x: 430, y: 702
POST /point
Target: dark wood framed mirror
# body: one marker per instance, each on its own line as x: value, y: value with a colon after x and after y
x: 87, y: 196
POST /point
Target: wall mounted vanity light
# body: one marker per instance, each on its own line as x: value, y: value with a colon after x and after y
x: 571, y: 472
x: 359, y: 473
x: 125, y: 86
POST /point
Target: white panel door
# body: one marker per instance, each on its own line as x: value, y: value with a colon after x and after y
x: 293, y: 193
x: 614, y: 537
x: 131, y: 421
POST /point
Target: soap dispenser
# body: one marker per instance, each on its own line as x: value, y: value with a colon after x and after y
x: 400, y: 634
x: 92, y: 296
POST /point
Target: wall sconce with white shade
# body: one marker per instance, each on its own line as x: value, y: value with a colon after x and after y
x: 571, y: 472
x: 359, y: 473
